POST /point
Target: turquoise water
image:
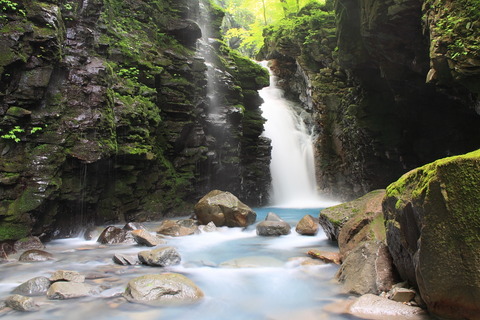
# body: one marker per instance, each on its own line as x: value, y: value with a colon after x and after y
x: 262, y: 281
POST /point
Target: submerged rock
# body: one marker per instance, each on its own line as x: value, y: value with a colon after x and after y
x: 178, y: 228
x: 21, y: 303
x: 307, y: 226
x: 144, y: 237
x: 224, y: 209
x: 163, y: 289
x: 34, y: 287
x: 69, y: 290
x: 252, y: 262
x: 161, y: 257
x: 433, y: 232
x: 273, y: 226
x: 35, y: 255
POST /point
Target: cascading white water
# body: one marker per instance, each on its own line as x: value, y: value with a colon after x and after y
x: 292, y: 165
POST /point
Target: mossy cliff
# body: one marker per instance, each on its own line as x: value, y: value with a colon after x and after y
x: 433, y: 232
x: 391, y: 85
x: 103, y: 116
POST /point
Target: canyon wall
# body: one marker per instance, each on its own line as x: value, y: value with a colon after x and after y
x: 104, y: 116
x: 391, y: 85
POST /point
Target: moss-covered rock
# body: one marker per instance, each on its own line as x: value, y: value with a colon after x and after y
x: 433, y: 232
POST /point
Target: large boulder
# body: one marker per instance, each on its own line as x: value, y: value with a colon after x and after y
x: 333, y: 218
x: 433, y: 232
x: 224, y: 209
x: 163, y: 289
x: 273, y: 226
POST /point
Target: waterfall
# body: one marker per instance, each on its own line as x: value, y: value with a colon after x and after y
x: 292, y: 166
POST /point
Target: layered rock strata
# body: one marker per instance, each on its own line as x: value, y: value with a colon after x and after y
x: 103, y: 116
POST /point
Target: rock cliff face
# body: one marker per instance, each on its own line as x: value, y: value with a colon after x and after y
x: 391, y: 84
x: 104, y: 116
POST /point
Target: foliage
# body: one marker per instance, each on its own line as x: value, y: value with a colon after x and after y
x: 246, y: 20
x: 457, y: 25
x: 16, y: 131
x: 10, y: 6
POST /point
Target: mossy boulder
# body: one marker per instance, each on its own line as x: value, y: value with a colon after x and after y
x: 433, y: 232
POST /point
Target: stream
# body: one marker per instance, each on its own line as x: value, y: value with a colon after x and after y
x: 263, y: 283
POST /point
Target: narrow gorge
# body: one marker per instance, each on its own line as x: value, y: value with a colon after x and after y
x: 224, y: 134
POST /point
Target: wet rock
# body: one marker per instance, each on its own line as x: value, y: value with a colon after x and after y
x: 307, y: 226
x: 161, y: 257
x: 178, y: 228
x: 66, y: 275
x: 144, y: 237
x: 130, y: 226
x: 112, y: 235
x: 326, y: 256
x: 35, y: 255
x: 125, y: 260
x: 368, y: 269
x: 370, y: 305
x: 209, y: 227
x: 34, y: 287
x: 69, y: 290
x: 273, y: 226
x: 224, y: 209
x: 28, y: 243
x: 163, y: 289
x: 21, y: 303
x: 433, y: 226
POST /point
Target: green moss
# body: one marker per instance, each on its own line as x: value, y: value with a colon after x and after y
x: 448, y: 188
x: 13, y: 231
